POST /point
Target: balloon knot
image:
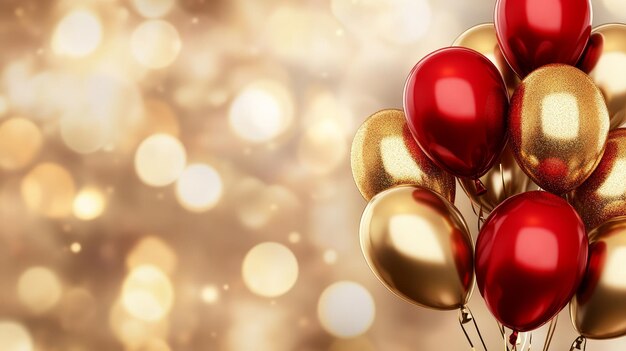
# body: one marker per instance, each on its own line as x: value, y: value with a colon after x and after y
x: 481, y: 189
x: 513, y: 338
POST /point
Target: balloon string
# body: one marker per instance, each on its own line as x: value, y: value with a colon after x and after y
x: 579, y: 344
x: 550, y: 335
x: 503, y: 334
x: 465, y: 317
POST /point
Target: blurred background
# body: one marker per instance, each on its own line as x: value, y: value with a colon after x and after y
x: 174, y: 174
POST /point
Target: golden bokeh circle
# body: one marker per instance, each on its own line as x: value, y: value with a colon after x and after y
x: 39, y: 289
x: 160, y: 159
x: 49, y: 190
x: 270, y: 269
x: 20, y: 142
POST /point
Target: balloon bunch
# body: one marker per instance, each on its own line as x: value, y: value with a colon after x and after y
x: 520, y: 111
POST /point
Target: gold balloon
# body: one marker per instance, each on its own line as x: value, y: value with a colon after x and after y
x: 558, y: 127
x: 598, y: 311
x: 603, y: 195
x: 606, y: 57
x: 482, y: 38
x: 502, y: 181
x: 384, y: 154
x: 418, y: 245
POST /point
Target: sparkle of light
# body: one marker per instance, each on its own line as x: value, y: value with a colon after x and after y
x: 210, y: 294
x: 14, y: 337
x: 153, y: 8
x: 78, y: 34
x: 346, y: 309
x: 49, y: 189
x: 160, y: 159
x: 76, y: 247
x: 155, y: 44
x: 199, y: 187
x: 152, y: 250
x: 323, y: 147
x: 39, y: 289
x: 20, y: 142
x: 147, y: 293
x: 261, y: 111
x: 89, y: 204
x: 270, y: 269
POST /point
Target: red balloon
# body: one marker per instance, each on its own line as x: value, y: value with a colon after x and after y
x: 592, y: 53
x: 531, y: 256
x: 456, y: 102
x: 534, y: 33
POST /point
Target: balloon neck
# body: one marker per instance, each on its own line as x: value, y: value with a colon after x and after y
x: 513, y: 337
x: 481, y: 189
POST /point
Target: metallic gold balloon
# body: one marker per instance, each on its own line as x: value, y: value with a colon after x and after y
x: 598, y: 311
x: 482, y: 38
x: 503, y: 180
x: 606, y: 58
x: 558, y: 127
x: 418, y: 245
x: 384, y: 154
x: 603, y: 195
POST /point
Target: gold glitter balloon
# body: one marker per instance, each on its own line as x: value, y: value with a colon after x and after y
x: 606, y: 59
x: 482, y: 38
x: 558, y: 127
x: 598, y: 309
x: 418, y: 245
x: 603, y: 195
x: 384, y: 154
x: 502, y: 181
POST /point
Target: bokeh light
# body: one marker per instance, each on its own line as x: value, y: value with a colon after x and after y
x: 160, y: 159
x: 175, y: 173
x: 152, y: 250
x: 323, y: 147
x: 396, y: 21
x: 134, y: 332
x: 49, y: 189
x: 78, y: 34
x: 39, y: 289
x: 155, y: 44
x: 153, y: 8
x: 261, y: 112
x: 14, y: 337
x: 616, y: 7
x: 199, y: 187
x: 346, y: 309
x: 20, y: 142
x: 210, y: 294
x: 89, y: 204
x: 147, y: 293
x: 270, y: 269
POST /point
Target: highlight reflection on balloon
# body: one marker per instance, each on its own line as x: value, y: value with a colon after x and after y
x: 603, y: 195
x: 558, y: 127
x: 502, y: 181
x: 384, y: 154
x: 604, y: 60
x: 483, y: 39
x: 598, y: 310
x: 418, y: 245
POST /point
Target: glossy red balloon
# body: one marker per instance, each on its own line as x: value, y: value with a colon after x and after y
x: 534, y: 33
x: 592, y: 53
x: 531, y: 255
x: 456, y: 102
